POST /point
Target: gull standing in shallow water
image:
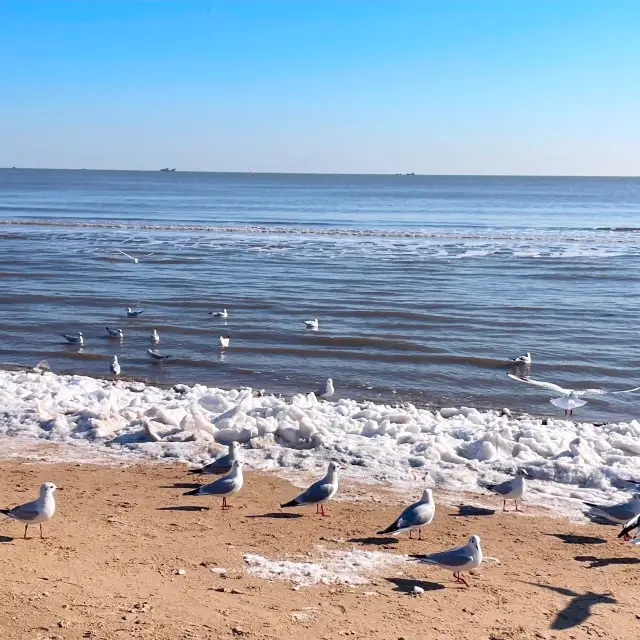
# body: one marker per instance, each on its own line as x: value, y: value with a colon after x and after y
x: 525, y: 359
x: 319, y: 492
x: 312, y: 324
x: 219, y: 314
x: 459, y: 559
x: 569, y: 399
x: 327, y: 392
x: 511, y: 489
x: 222, y: 464
x: 414, y: 517
x: 73, y: 339
x: 154, y: 355
x: 133, y: 313
x: 618, y: 513
x: 231, y: 483
x: 115, y: 333
x: 36, y: 512
x: 114, y: 367
x: 223, y: 342
x: 155, y: 338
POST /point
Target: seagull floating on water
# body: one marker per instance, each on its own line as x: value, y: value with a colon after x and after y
x: 222, y: 464
x: 459, y: 559
x: 134, y: 313
x: 619, y: 513
x: 511, y: 489
x: 327, y: 392
x: 223, y: 342
x: 231, y: 483
x: 114, y: 367
x: 312, y: 324
x: 416, y: 516
x: 319, y: 492
x: 525, y: 359
x: 569, y: 399
x: 155, y: 337
x: 115, y: 333
x: 154, y: 355
x: 74, y: 339
x: 36, y: 512
x: 219, y: 314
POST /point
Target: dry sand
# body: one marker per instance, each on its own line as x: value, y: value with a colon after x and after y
x: 107, y: 568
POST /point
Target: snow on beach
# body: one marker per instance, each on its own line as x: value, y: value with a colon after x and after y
x: 375, y: 443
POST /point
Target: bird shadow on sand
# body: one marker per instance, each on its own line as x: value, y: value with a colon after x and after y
x: 470, y: 510
x: 569, y: 538
x: 597, y: 563
x: 184, y: 507
x: 374, y: 540
x: 180, y: 485
x: 578, y: 610
x: 6, y: 539
x: 405, y: 585
x: 277, y: 515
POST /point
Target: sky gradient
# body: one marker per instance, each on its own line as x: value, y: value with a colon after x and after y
x: 524, y: 87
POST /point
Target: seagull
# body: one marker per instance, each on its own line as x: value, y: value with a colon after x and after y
x: 618, y: 513
x: 155, y: 337
x: 327, y: 392
x: 459, y: 559
x: 154, y: 355
x: 74, y: 339
x: 414, y: 517
x: 114, y: 367
x: 569, y: 399
x: 219, y: 314
x: 115, y: 333
x: 223, y: 343
x: 634, y: 523
x: 511, y: 489
x: 134, y: 313
x: 312, y: 324
x: 319, y: 492
x: 36, y: 512
x: 222, y: 464
x: 525, y: 359
x: 231, y: 483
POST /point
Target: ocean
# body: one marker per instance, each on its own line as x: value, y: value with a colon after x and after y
x: 424, y: 286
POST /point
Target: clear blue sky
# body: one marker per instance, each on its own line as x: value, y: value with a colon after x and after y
x: 363, y: 86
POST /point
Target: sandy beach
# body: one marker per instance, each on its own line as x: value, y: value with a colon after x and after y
x: 109, y: 566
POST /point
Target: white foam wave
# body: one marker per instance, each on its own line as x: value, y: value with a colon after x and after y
x: 461, y: 448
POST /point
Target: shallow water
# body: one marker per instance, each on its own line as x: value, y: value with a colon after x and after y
x: 424, y: 286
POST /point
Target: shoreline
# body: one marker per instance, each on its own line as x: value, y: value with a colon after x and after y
x: 109, y: 566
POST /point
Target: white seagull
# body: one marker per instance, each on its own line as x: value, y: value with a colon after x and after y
x: 134, y: 313
x: 312, y: 324
x: 513, y: 489
x: 74, y: 339
x: 416, y: 516
x: 115, y: 333
x: 327, y: 392
x: 36, y: 512
x: 231, y: 483
x: 222, y: 464
x: 223, y: 342
x: 155, y: 337
x: 319, y: 492
x: 618, y: 513
x: 569, y: 399
x: 154, y: 355
x: 114, y: 367
x: 459, y: 559
x: 219, y: 314
x: 525, y: 359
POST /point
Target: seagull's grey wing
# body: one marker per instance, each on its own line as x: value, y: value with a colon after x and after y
x: 317, y: 492
x: 219, y: 487
x: 539, y: 383
x: 458, y: 557
x: 221, y: 465
x: 603, y: 392
x: 503, y: 489
x: 624, y: 511
x: 28, y: 511
x: 414, y: 516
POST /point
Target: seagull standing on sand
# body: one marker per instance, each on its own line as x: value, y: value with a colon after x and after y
x: 154, y: 355
x: 618, y: 513
x: 222, y: 464
x: 114, y: 367
x: 227, y: 485
x: 74, y: 339
x: 36, y: 512
x: 569, y: 399
x: 312, y: 324
x: 511, y: 489
x: 115, y: 333
x: 155, y: 338
x: 223, y: 342
x: 327, y: 392
x: 525, y: 359
x: 459, y: 559
x: 319, y: 492
x: 219, y: 314
x: 414, y: 517
x: 634, y: 523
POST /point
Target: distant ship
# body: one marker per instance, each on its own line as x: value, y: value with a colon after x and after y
x: 167, y: 169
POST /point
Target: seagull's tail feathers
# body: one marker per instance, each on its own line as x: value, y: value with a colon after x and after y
x: 193, y: 492
x: 6, y: 512
x: 392, y: 528
x: 195, y: 471
x: 291, y: 503
x: 567, y: 403
x: 490, y: 487
x: 591, y: 505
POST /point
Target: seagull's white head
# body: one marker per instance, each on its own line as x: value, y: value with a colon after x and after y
x: 114, y: 359
x: 474, y: 541
x: 80, y: 333
x: 236, y: 466
x: 427, y: 496
x: 333, y: 467
x: 47, y: 489
x: 233, y: 447
x: 121, y: 333
x: 522, y: 473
